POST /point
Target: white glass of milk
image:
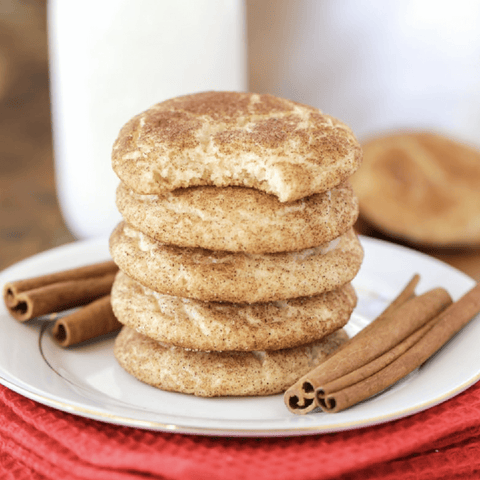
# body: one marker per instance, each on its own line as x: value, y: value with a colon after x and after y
x: 112, y: 59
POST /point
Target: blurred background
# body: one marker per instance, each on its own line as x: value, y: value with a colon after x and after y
x: 378, y: 66
x: 30, y: 218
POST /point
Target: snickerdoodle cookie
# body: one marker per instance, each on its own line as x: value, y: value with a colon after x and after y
x: 198, y: 325
x: 235, y: 139
x: 239, y: 219
x: 235, y: 277
x: 210, y: 374
x: 422, y: 188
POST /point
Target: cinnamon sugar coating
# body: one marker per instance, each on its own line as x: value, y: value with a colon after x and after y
x: 235, y: 139
x: 214, y: 326
x: 235, y: 277
x: 239, y: 219
x: 211, y: 374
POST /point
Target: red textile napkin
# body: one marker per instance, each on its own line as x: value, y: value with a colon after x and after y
x: 38, y: 443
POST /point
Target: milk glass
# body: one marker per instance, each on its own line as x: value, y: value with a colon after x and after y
x: 111, y: 59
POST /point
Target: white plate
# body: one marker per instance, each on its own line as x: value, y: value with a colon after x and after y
x: 87, y: 381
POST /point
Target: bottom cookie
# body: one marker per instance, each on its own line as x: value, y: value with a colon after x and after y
x: 213, y: 374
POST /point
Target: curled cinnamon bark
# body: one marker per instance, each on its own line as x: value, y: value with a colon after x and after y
x: 33, y: 297
x: 300, y: 398
x: 335, y: 397
x: 88, y: 322
x: 382, y: 335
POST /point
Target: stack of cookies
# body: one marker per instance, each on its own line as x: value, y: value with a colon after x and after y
x: 236, y: 250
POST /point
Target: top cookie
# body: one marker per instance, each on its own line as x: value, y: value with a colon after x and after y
x: 235, y: 139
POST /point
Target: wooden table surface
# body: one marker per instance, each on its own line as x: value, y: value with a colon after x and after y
x: 30, y: 217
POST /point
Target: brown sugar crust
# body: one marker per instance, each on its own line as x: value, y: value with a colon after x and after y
x: 422, y: 188
x: 235, y: 277
x: 239, y: 219
x: 235, y: 139
x: 212, y: 374
x: 198, y: 325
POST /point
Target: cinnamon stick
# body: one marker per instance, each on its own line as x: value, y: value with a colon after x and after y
x: 406, y: 314
x: 300, y: 397
x: 88, y: 322
x: 336, y: 397
x: 375, y: 365
x: 33, y: 297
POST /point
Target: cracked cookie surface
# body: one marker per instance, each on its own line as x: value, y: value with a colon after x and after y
x: 224, y: 139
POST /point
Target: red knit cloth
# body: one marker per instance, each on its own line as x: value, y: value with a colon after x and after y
x: 38, y: 443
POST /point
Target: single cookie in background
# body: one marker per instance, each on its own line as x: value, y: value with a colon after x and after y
x: 211, y: 374
x: 214, y: 326
x: 235, y: 277
x: 421, y: 188
x: 239, y: 219
x: 235, y: 139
